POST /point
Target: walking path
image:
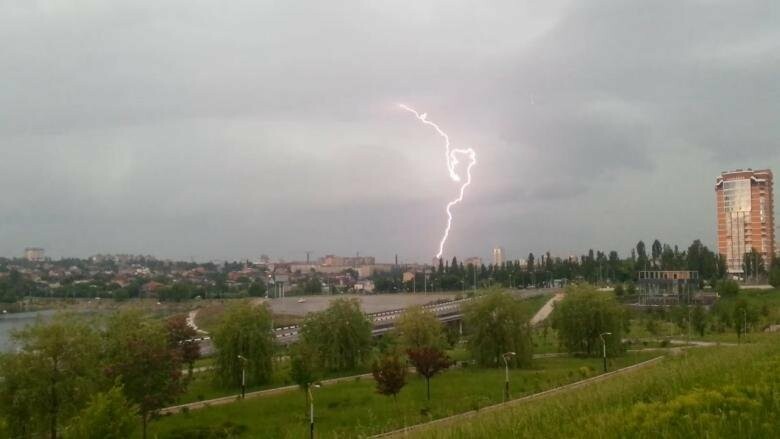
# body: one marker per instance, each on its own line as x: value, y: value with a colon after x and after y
x: 191, y: 321
x: 546, y: 310
x: 565, y: 388
x: 257, y: 394
x: 278, y: 390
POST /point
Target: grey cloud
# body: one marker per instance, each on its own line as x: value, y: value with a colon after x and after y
x: 198, y: 129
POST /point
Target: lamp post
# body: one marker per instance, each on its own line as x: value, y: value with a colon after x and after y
x: 604, y: 348
x: 506, y: 358
x: 744, y: 317
x: 311, y: 408
x: 243, y: 375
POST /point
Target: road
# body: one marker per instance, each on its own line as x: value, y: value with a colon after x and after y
x: 383, y: 320
x: 369, y: 303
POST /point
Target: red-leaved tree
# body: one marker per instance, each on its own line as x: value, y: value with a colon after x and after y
x: 390, y: 374
x: 429, y: 361
x: 180, y: 335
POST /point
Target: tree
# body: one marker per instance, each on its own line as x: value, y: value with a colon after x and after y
x: 428, y: 361
x: 180, y: 337
x: 656, y: 251
x: 753, y: 264
x: 728, y: 288
x: 245, y: 330
x: 641, y: 252
x: 774, y: 277
x: 743, y: 316
x: 176, y: 292
x: 699, y: 319
x: 140, y: 359
x: 257, y: 289
x: 312, y: 284
x: 304, y: 367
x: 419, y: 328
x: 498, y: 324
x: 50, y: 378
x: 107, y: 416
x: 341, y: 334
x: 583, y: 315
x: 390, y: 374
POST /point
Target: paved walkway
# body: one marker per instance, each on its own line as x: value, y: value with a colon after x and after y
x: 546, y: 310
x: 257, y: 394
x: 191, y: 322
x: 565, y: 388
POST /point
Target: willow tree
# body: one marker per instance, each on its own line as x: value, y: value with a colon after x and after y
x: 584, y: 315
x: 418, y: 328
x: 244, y: 341
x: 49, y: 378
x: 341, y: 334
x: 497, y: 324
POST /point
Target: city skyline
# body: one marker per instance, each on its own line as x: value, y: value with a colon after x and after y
x: 281, y: 133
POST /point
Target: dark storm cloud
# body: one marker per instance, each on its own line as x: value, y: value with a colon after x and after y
x: 195, y: 129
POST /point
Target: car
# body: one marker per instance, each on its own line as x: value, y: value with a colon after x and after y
x: 301, y: 300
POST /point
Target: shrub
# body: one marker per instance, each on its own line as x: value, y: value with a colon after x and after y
x: 774, y: 277
x: 728, y: 288
x: 223, y: 431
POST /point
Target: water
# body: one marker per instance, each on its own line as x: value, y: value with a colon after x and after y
x: 11, y: 322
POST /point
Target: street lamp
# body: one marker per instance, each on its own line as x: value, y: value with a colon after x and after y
x: 311, y: 409
x: 506, y: 358
x: 604, y: 348
x: 243, y: 375
x: 744, y: 327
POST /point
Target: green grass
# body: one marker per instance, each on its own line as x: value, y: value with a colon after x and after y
x: 202, y: 385
x: 708, y: 392
x: 766, y: 301
x: 354, y: 408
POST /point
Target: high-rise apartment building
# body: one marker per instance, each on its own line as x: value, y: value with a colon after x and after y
x: 498, y: 256
x: 34, y: 254
x: 746, y: 217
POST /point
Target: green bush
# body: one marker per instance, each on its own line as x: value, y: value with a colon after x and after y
x: 724, y: 412
x: 223, y: 431
x: 774, y: 277
x: 728, y: 288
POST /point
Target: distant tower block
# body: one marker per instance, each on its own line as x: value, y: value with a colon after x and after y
x: 34, y: 254
x: 498, y: 256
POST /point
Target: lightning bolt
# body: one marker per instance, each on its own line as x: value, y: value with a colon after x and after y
x: 451, y: 160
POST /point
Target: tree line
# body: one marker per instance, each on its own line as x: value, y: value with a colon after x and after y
x: 72, y: 375
x: 594, y: 267
x: 75, y: 378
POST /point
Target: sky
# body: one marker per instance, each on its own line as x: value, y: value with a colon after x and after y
x: 226, y: 130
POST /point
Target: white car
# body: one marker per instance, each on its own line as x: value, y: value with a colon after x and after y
x: 301, y: 300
